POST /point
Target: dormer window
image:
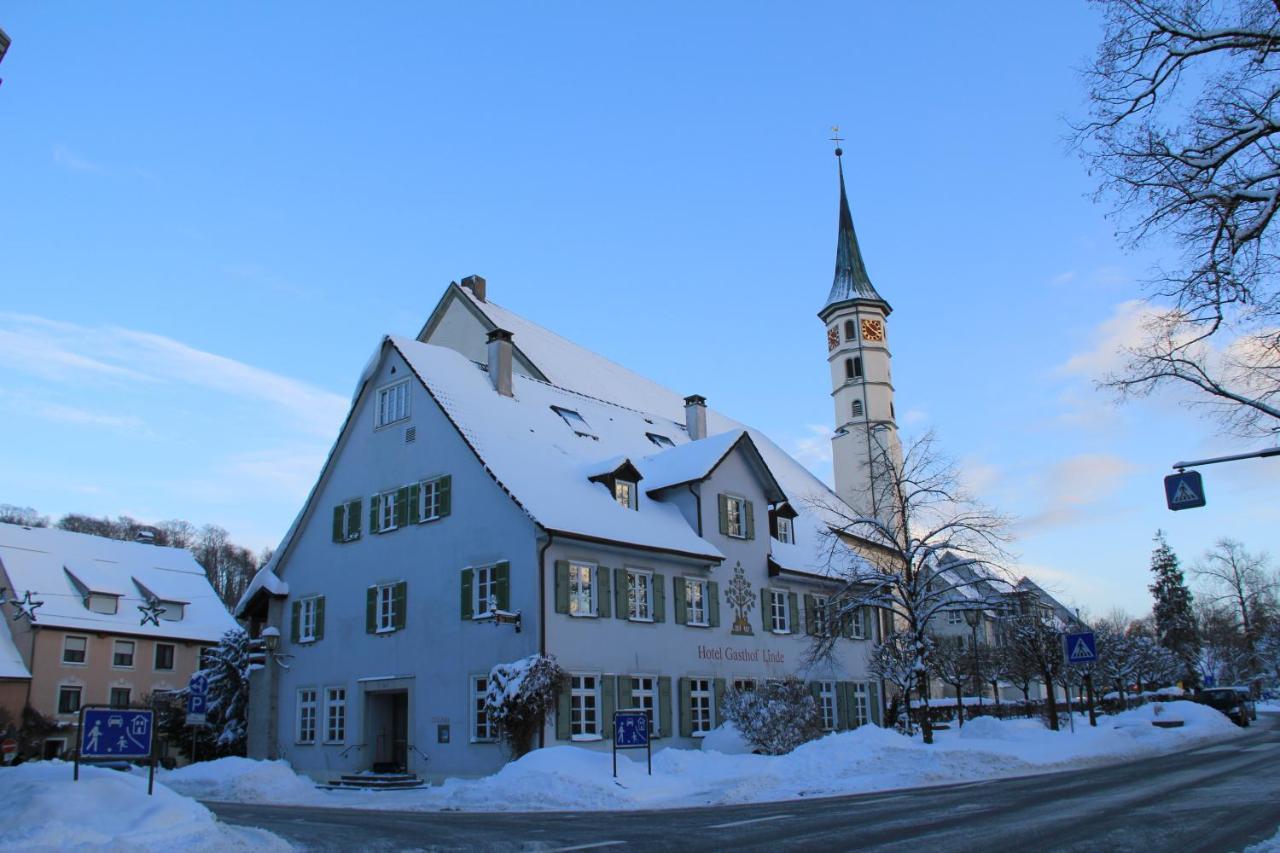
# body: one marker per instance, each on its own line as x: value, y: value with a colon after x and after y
x: 575, y: 421
x: 624, y: 492
x: 782, y: 523
x: 621, y: 479
x: 101, y: 603
x: 172, y: 611
x: 659, y: 440
x: 785, y: 533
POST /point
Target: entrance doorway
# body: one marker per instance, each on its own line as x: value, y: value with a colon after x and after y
x: 388, y: 715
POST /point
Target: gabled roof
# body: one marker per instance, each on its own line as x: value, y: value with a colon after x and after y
x: 45, y: 559
x: 697, y: 460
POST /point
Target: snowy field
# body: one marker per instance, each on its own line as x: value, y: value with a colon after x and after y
x: 863, y: 760
x: 109, y: 810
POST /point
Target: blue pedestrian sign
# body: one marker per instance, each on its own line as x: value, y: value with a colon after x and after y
x: 1184, y: 490
x: 1080, y: 648
x: 631, y: 729
x: 116, y: 733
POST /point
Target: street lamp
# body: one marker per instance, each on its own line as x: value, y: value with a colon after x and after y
x: 973, y: 617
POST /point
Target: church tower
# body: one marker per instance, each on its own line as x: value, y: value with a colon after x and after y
x: 861, y: 384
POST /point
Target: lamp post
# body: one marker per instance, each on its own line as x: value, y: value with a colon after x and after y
x: 973, y: 617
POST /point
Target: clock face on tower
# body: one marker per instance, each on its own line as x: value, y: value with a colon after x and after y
x: 833, y: 338
x: 872, y: 330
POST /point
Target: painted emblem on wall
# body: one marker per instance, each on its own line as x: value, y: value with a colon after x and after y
x: 740, y: 597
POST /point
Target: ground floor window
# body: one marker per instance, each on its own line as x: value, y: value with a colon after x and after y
x: 307, y: 716
x: 335, y: 715
x: 861, y: 714
x: 779, y: 612
x: 700, y: 702
x: 741, y: 684
x: 68, y: 700
x: 120, y: 697
x: 482, y: 729
x: 644, y: 697
x: 827, y: 704
x: 584, y: 706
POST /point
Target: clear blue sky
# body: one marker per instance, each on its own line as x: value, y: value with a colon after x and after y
x: 209, y: 213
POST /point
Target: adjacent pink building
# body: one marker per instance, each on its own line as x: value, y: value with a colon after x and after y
x: 88, y: 643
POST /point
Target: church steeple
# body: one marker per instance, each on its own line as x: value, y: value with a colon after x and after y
x: 851, y: 279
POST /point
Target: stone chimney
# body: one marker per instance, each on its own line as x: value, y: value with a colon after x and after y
x: 475, y: 284
x: 499, y: 358
x: 695, y: 416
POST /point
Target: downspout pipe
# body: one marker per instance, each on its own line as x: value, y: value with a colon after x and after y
x: 542, y: 616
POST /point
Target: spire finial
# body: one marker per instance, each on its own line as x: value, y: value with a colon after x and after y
x: 835, y: 137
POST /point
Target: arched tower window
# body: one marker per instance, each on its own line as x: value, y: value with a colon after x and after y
x: 857, y: 408
x: 848, y: 330
x: 848, y: 368
x: 853, y: 368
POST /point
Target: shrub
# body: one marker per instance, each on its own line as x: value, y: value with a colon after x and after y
x: 775, y: 719
x: 520, y: 696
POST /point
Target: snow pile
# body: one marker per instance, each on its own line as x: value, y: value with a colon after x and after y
x: 726, y: 739
x: 109, y: 810
x: 241, y: 780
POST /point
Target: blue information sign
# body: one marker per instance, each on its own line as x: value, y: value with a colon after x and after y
x: 1184, y: 490
x: 1080, y: 647
x: 631, y: 729
x: 116, y: 733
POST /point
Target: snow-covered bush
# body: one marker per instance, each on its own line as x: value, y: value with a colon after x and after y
x: 520, y: 696
x: 776, y: 718
x: 226, y: 666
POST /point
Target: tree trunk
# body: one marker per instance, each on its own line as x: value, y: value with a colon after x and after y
x: 1093, y: 715
x: 926, y: 725
x: 1051, y: 700
x: 959, y: 706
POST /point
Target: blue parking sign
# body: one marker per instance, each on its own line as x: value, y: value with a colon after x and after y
x: 116, y: 733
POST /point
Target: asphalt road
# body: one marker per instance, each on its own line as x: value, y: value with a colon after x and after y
x: 1223, y: 796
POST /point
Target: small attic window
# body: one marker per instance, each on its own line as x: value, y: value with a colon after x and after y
x: 659, y: 440
x: 575, y: 421
x: 172, y: 611
x: 101, y: 603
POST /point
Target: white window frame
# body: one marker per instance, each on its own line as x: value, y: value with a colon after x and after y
x: 955, y: 617
x: 483, y: 578
x: 579, y: 694
x: 644, y: 697
x: 133, y: 654
x: 305, y: 720
x: 307, y: 608
x: 861, y: 711
x: 736, y: 520
x: 741, y: 683
x: 384, y: 612
x: 79, y: 691
x: 827, y: 704
x: 634, y: 612
x: 821, y: 615
x: 429, y: 510
x: 624, y: 492
x: 479, y: 689
x: 702, y: 619
x: 173, y: 657
x: 779, y: 614
x: 387, y: 511
x: 577, y: 572
x: 335, y: 710
x: 702, y: 703
x: 392, y: 404
x: 857, y: 625
x: 83, y: 639
x: 786, y: 532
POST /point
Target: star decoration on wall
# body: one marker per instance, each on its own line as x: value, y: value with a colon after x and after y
x: 26, y: 607
x: 151, y: 612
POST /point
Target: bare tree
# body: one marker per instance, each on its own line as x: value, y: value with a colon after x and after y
x: 893, y: 660
x: 953, y: 666
x: 1242, y: 582
x: 24, y: 515
x: 1183, y: 133
x: 936, y: 548
x: 1036, y: 643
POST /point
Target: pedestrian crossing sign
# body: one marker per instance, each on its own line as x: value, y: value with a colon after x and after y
x: 1184, y: 490
x: 1080, y: 648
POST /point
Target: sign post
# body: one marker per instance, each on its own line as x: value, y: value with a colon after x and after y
x: 1079, y: 649
x: 117, y: 734
x: 631, y: 731
x: 9, y: 748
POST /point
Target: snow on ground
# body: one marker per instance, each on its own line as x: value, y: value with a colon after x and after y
x: 1271, y: 845
x: 109, y: 810
x: 866, y: 759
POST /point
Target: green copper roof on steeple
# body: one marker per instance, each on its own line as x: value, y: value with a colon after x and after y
x: 851, y: 279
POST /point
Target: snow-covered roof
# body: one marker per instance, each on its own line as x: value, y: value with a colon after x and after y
x: 11, y: 665
x: 265, y: 580
x: 44, y: 559
x: 687, y: 463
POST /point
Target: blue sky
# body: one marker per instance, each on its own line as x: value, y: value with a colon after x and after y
x: 209, y: 214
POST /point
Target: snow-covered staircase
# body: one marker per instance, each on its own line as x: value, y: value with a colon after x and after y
x: 375, y: 782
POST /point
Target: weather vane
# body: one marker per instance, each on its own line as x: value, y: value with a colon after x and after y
x: 835, y: 137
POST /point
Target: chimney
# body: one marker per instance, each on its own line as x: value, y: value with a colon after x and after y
x: 145, y: 536
x: 695, y: 416
x: 475, y: 284
x: 499, y: 357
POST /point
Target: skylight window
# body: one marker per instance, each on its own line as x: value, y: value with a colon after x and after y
x: 575, y: 421
x: 660, y: 440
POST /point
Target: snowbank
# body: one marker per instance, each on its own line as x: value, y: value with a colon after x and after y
x: 866, y: 759
x: 726, y: 739
x: 108, y: 810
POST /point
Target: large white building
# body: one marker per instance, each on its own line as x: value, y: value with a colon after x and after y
x: 661, y: 551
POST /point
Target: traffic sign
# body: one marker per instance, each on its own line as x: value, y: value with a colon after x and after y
x: 631, y: 729
x: 199, y: 683
x: 198, y: 699
x: 9, y: 748
x: 1080, y: 648
x: 116, y: 733
x: 1184, y: 490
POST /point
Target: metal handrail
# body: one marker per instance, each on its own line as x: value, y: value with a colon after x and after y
x: 344, y: 752
x: 425, y: 757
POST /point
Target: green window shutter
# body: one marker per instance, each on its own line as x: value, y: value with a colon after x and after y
x: 724, y: 515
x: 375, y: 511
x: 664, y: 705
x: 371, y: 610
x: 339, y: 524
x: 412, y: 504
x: 602, y: 592
x: 717, y: 696
x: 562, y: 586
x: 320, y: 618
x: 751, y: 520
x: 620, y: 593
x: 793, y: 618
x: 682, y: 604
x: 466, y: 610
x: 686, y: 718
x: 625, y: 685
x: 815, y: 690
x: 868, y: 628
x: 402, y: 506
x: 846, y: 626
x: 844, y: 705
x: 766, y: 617
x: 713, y: 604
x: 445, y: 487
x: 659, y: 593
x: 399, y: 596
x: 608, y: 704
x: 563, y: 711
x: 353, y: 519
x: 296, y: 631
x: 809, y: 625
x: 873, y: 703
x: 502, y: 585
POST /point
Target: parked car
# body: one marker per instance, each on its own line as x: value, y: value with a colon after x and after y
x: 1246, y: 696
x: 1227, y: 700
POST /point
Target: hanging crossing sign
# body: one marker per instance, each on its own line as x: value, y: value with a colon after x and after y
x: 1079, y: 648
x: 1184, y: 490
